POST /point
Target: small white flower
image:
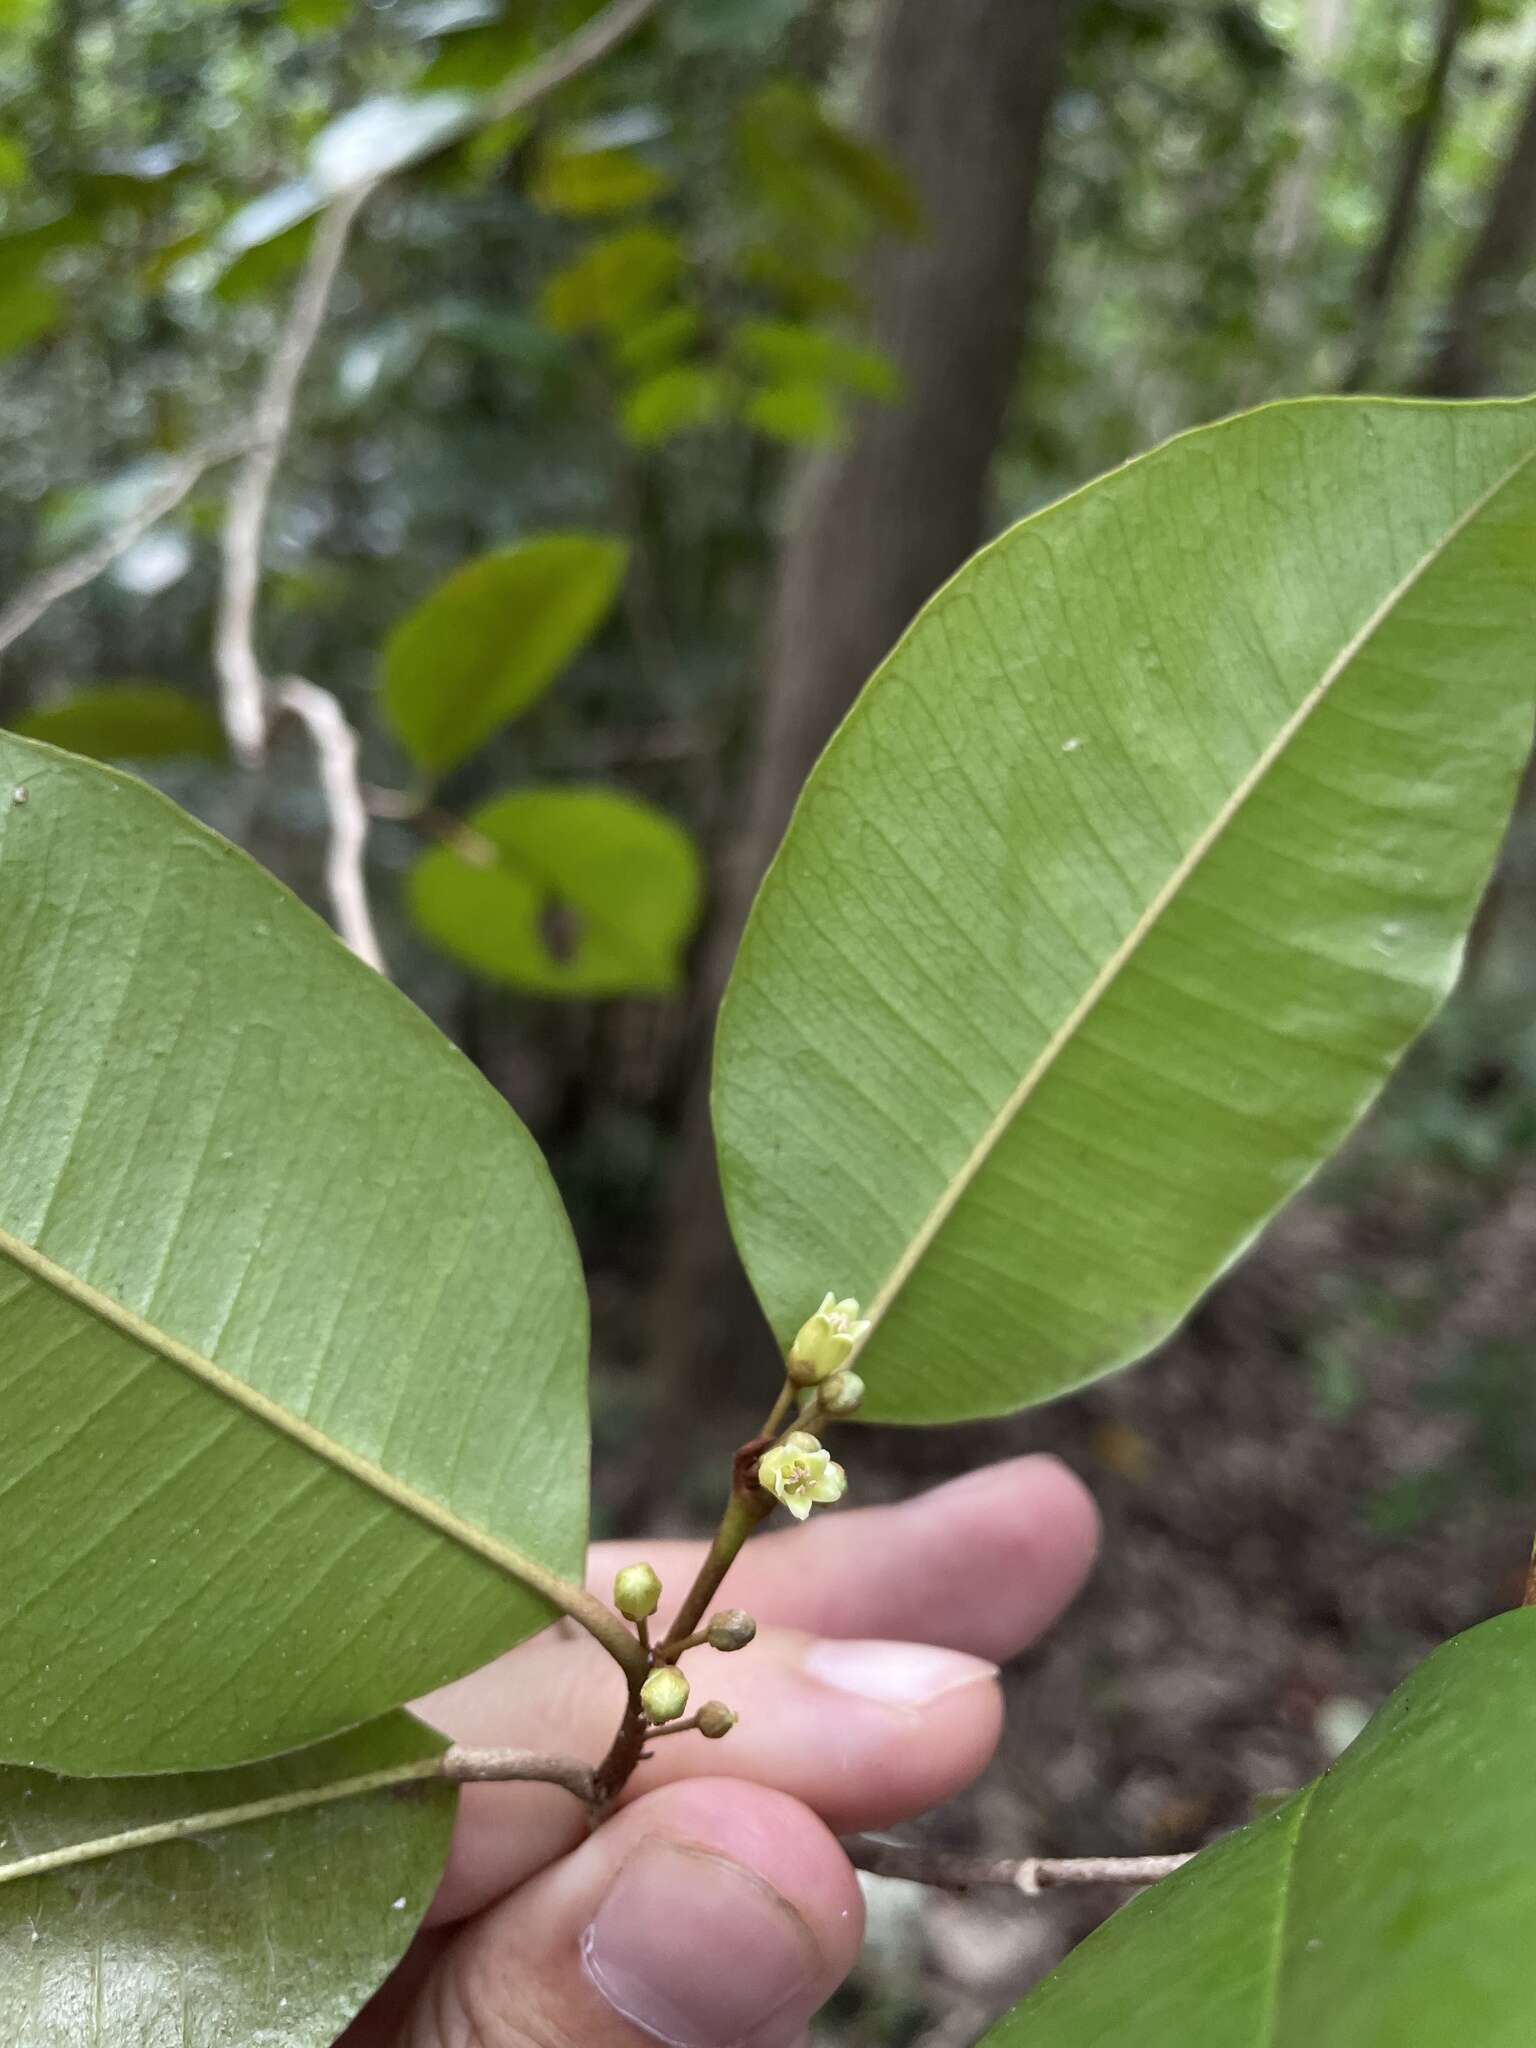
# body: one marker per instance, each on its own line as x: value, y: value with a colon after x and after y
x: 823, y: 1342
x: 801, y: 1474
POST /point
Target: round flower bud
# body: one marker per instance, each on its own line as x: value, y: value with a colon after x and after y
x: 823, y: 1341
x: 842, y: 1394
x: 636, y: 1592
x: 731, y: 1629
x: 715, y: 1719
x: 664, y: 1694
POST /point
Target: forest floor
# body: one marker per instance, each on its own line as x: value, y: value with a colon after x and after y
x: 1322, y: 1477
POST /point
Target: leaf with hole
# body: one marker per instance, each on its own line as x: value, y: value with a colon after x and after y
x: 292, y: 1329
x: 1126, y: 881
x: 490, y: 639
x: 1389, y: 1903
x: 564, y: 892
x: 264, y: 1904
x: 127, y: 722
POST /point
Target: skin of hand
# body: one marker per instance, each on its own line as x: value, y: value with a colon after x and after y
x: 715, y: 1908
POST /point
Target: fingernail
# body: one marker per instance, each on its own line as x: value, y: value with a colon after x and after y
x: 895, y: 1674
x: 701, y: 1953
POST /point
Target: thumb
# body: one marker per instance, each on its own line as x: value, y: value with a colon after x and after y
x: 708, y: 1914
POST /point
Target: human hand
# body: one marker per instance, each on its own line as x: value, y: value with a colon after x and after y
x: 715, y: 1908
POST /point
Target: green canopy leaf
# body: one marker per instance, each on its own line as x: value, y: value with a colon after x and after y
x: 291, y: 1324
x: 488, y: 641
x: 287, y: 1893
x: 1389, y: 1903
x: 564, y: 892
x: 1129, y: 877
x: 127, y: 722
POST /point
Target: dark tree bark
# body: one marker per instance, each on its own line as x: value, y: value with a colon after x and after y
x: 1416, y: 148
x: 959, y: 95
x: 1503, y: 248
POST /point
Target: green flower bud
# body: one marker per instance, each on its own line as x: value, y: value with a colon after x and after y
x: 664, y: 1694
x: 824, y: 1341
x: 636, y: 1592
x: 731, y: 1629
x: 715, y: 1719
x: 842, y: 1394
x: 800, y: 1473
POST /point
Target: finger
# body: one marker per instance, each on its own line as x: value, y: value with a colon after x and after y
x: 709, y: 1915
x: 864, y: 1732
x: 984, y: 1563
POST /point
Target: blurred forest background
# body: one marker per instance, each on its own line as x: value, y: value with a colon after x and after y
x: 696, y: 379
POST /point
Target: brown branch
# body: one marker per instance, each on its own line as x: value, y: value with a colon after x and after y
x: 1416, y: 147
x: 29, y: 603
x: 514, y: 1766
x: 578, y: 53
x: 1027, y: 1874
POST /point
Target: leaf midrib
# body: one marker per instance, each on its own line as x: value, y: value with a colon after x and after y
x: 128, y: 1323
x: 153, y: 1834
x: 1109, y: 974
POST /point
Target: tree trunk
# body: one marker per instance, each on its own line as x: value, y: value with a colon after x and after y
x: 1504, y: 246
x: 959, y: 95
x: 1416, y: 148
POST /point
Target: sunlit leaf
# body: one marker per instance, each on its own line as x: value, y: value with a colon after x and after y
x: 572, y: 892
x: 127, y: 722
x: 291, y: 1324
x: 482, y: 646
x: 688, y: 395
x: 28, y: 311
x: 13, y: 162
x: 386, y: 135
x: 790, y: 351
x: 1122, y: 888
x: 584, y: 182
x: 1389, y: 1903
x: 797, y: 412
x: 291, y: 1894
x: 612, y: 282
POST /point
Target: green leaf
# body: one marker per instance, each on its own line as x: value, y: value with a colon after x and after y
x: 127, y: 722
x: 1389, y: 1903
x: 492, y: 638
x: 800, y: 413
x: 614, y: 281
x: 687, y: 396
x: 805, y: 168
x: 790, y: 351
x: 278, y: 1899
x: 28, y: 310
x: 564, y: 892
x: 291, y: 1324
x: 1127, y: 880
x: 659, y: 340
x: 583, y: 182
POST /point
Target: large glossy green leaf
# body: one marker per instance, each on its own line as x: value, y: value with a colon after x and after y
x: 564, y: 892
x: 1389, y: 1905
x: 127, y: 722
x: 285, y: 1895
x: 291, y: 1324
x: 482, y: 646
x: 1124, y: 884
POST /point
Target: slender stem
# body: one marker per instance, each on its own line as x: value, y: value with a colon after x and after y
x: 1027, y: 1874
x: 578, y: 53
x: 676, y: 1650
x: 775, y: 1419
x: 242, y: 684
x: 628, y: 1746
x: 455, y: 1765
x: 748, y: 1506
x: 335, y: 745
x: 1530, y: 1582
x: 30, y: 602
x: 643, y: 1631
x: 520, y: 1766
